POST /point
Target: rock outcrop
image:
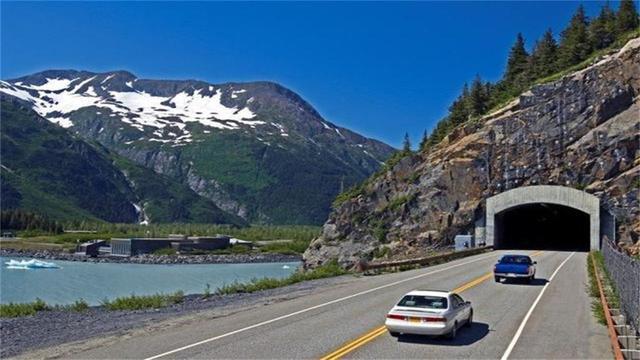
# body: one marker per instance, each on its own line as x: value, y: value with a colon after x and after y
x: 581, y: 131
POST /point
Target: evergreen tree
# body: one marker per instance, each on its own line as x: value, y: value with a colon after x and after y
x: 577, y: 41
x: 443, y: 127
x: 406, y: 144
x: 544, y: 57
x: 16, y: 219
x: 516, y: 74
x: 459, y: 110
x: 602, y: 30
x: 489, y: 89
x: 425, y: 140
x: 574, y: 42
x: 478, y: 98
x: 627, y: 17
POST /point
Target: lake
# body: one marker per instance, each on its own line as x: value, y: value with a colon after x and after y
x: 94, y: 282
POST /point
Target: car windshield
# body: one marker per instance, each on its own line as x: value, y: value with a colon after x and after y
x: 515, y: 260
x: 429, y: 302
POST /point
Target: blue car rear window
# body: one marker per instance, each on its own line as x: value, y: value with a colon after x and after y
x: 515, y: 260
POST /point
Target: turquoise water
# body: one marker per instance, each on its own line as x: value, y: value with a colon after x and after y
x: 94, y: 282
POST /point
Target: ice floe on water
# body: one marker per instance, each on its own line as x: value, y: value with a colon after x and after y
x: 30, y: 264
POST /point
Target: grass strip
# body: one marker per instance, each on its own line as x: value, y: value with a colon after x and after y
x: 609, y: 290
x: 31, y: 308
x: 257, y: 284
x: 139, y: 302
x: 22, y: 309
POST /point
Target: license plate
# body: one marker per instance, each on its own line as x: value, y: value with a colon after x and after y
x: 415, y: 319
x: 512, y: 275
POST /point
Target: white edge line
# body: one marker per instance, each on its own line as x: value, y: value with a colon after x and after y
x: 506, y: 354
x: 266, y: 322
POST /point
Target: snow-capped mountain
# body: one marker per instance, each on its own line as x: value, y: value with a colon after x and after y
x: 256, y: 149
x: 57, y: 98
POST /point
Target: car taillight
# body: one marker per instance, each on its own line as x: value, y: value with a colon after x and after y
x: 396, y: 317
x: 435, y: 319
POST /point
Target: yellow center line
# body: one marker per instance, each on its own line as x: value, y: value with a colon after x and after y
x: 347, y: 348
x: 537, y: 253
x: 375, y: 333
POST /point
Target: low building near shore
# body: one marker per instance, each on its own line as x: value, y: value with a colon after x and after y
x: 239, y: 242
x: 90, y: 248
x: 179, y: 243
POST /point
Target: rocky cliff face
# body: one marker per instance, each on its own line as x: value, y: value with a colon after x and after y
x: 581, y: 131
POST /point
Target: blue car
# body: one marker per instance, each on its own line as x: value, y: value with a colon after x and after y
x: 515, y: 267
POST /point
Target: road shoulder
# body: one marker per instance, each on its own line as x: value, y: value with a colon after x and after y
x: 563, y: 325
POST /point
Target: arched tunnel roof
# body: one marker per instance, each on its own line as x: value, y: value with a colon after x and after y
x: 550, y: 194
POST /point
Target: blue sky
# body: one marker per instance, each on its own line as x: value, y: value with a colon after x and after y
x: 381, y: 69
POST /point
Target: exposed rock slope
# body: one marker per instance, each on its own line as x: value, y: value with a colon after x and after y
x: 581, y: 131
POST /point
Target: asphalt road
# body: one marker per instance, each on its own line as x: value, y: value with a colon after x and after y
x: 327, y: 322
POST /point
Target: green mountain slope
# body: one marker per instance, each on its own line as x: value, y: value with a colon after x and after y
x: 165, y: 200
x: 48, y: 171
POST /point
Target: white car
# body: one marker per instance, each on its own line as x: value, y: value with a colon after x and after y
x: 429, y: 313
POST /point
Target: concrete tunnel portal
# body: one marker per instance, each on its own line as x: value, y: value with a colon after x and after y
x: 546, y: 217
x: 542, y: 226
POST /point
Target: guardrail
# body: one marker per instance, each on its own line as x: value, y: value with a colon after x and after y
x: 613, y: 336
x: 426, y: 260
x: 625, y: 274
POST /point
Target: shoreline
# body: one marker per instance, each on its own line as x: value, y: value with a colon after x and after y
x: 154, y: 259
x: 56, y: 331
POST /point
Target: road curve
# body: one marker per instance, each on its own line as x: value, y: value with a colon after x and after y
x: 560, y: 326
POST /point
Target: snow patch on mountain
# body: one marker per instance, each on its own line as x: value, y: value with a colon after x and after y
x: 64, y: 122
x: 107, y: 79
x: 58, y: 98
x: 81, y: 84
x: 8, y: 89
x: 283, y: 131
x: 91, y: 92
x: 234, y: 93
x: 163, y: 112
x: 50, y: 84
x: 200, y: 106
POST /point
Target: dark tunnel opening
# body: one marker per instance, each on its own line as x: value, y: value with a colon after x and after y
x: 542, y: 226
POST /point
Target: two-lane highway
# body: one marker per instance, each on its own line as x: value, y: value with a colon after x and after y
x: 345, y: 320
x: 560, y: 326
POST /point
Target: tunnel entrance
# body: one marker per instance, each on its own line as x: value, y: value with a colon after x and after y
x: 545, y: 217
x: 542, y: 226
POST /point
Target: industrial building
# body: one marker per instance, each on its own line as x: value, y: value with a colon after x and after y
x: 90, y: 248
x: 139, y: 246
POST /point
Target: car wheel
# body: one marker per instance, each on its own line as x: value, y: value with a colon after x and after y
x: 497, y: 278
x: 454, y: 331
x: 394, y: 334
x: 469, y: 320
